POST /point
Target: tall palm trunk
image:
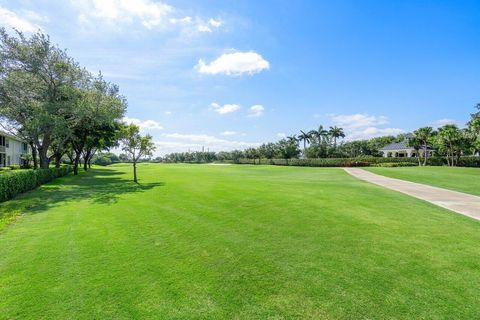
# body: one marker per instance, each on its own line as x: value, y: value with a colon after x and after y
x: 425, y: 154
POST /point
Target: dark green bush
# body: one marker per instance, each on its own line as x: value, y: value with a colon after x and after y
x: 13, y: 183
x: 103, y: 161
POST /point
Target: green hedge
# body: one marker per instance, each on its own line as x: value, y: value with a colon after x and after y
x: 15, y: 182
x: 395, y: 164
x: 466, y: 161
x: 328, y: 162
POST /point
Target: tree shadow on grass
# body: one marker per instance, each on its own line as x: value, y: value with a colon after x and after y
x: 102, y: 186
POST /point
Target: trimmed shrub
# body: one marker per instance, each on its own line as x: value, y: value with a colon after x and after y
x: 395, y: 164
x: 363, y: 161
x: 5, y: 169
x: 465, y: 161
x: 328, y: 162
x: 15, y: 182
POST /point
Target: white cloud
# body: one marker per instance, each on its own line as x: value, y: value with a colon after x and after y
x: 363, y: 126
x: 177, y: 142
x: 358, y: 120
x: 148, y: 13
x: 372, y: 132
x: 25, y: 22
x: 256, y: 111
x: 234, y: 64
x: 168, y: 113
x: 145, y: 124
x: 198, y: 24
x: 281, y: 135
x: 226, y: 108
x: 184, y: 20
x: 441, y: 122
x: 208, y: 26
x: 229, y: 133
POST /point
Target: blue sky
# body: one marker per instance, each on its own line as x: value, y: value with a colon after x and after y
x: 229, y: 74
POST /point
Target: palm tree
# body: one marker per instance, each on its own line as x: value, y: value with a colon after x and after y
x: 449, y: 137
x: 336, y: 132
x: 293, y: 138
x: 321, y: 134
x: 416, y: 144
x: 424, y: 135
x: 474, y: 128
x: 305, y: 137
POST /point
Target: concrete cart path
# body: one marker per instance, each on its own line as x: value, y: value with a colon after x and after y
x: 459, y: 202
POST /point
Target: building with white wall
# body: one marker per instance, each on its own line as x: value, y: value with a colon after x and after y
x: 11, y: 150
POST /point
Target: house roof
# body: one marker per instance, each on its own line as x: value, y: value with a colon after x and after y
x: 402, y: 145
x: 10, y: 136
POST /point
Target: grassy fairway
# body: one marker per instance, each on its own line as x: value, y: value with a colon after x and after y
x: 234, y: 242
x: 459, y: 179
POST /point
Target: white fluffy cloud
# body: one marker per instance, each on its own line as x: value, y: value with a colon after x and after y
x: 26, y: 22
x: 441, y: 122
x: 358, y: 120
x: 177, y: 142
x: 143, y: 124
x: 229, y: 133
x: 363, y: 126
x: 256, y: 111
x: 226, y: 108
x: 148, y: 13
x: 372, y: 132
x: 281, y: 135
x: 197, y: 24
x: 234, y: 64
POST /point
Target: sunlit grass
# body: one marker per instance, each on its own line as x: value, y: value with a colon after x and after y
x: 234, y: 242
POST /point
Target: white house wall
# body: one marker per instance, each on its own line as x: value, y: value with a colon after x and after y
x: 14, y: 152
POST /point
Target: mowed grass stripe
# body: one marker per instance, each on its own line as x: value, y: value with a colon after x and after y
x: 199, y: 241
x: 465, y: 180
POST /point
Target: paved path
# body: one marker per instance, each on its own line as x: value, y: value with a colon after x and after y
x: 459, y: 202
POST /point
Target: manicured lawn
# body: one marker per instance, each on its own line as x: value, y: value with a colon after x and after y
x: 459, y: 179
x: 234, y: 242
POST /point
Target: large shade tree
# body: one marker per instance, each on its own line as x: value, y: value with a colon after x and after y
x: 36, y: 81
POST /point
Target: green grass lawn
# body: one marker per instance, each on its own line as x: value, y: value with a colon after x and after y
x: 234, y: 242
x: 459, y: 179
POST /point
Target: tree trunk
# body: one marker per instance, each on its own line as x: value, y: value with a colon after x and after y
x: 42, y: 153
x: 34, y: 156
x: 76, y: 161
x: 425, y: 154
x: 58, y: 160
x: 86, y: 158
x: 135, y: 171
